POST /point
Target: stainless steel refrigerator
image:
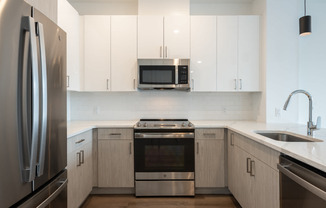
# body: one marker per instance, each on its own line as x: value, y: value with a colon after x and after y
x: 33, y: 135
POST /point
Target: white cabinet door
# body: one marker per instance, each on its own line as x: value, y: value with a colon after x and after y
x: 203, y: 53
x: 177, y: 37
x: 68, y: 20
x: 227, y: 53
x: 97, y: 53
x: 248, y: 53
x: 238, y: 53
x: 123, y: 53
x: 150, y: 37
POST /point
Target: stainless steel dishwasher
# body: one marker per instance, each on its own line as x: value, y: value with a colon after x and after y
x: 301, y: 185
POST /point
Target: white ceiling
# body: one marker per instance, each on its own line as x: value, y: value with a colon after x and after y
x: 191, y: 1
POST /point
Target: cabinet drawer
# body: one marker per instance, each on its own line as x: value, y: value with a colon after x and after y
x: 115, y: 134
x: 264, y: 153
x: 209, y: 134
x: 79, y: 140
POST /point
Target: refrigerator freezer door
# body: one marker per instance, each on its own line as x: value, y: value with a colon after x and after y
x: 52, y: 195
x: 14, y: 50
x: 56, y: 133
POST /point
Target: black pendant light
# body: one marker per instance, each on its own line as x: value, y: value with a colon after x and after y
x: 305, y: 22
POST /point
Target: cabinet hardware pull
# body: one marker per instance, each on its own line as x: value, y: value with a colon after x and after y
x: 193, y: 84
x: 252, y: 168
x: 80, y: 141
x: 134, y: 84
x: 197, y: 148
x: 161, y: 48
x: 240, y: 84
x: 115, y: 134
x: 209, y: 134
x: 248, y: 165
x: 166, y: 51
x: 235, y: 84
x: 82, y: 157
x: 232, y: 139
x: 78, y: 159
x: 130, y: 148
x: 68, y: 81
x: 107, y: 84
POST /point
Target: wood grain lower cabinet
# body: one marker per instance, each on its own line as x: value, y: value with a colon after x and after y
x: 209, y: 158
x: 80, y: 168
x: 252, y: 178
x: 115, y: 158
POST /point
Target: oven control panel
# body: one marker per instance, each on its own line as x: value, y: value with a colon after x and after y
x: 164, y: 124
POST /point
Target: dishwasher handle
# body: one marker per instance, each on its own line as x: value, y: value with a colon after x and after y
x: 305, y: 184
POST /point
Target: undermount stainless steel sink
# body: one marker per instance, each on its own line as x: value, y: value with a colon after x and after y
x: 284, y: 136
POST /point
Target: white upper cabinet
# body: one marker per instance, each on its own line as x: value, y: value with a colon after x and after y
x: 249, y: 40
x: 177, y: 37
x: 97, y: 53
x: 163, y: 37
x: 123, y: 53
x: 238, y: 53
x: 227, y: 53
x: 68, y: 20
x: 203, y: 53
x: 150, y: 37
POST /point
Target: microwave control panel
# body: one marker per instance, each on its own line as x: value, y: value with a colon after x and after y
x: 182, y: 74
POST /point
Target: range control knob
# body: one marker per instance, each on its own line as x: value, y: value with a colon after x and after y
x: 183, y: 124
x: 145, y: 124
x: 189, y: 124
x: 138, y: 124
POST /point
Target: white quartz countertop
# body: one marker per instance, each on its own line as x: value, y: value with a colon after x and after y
x: 312, y: 153
x: 77, y: 127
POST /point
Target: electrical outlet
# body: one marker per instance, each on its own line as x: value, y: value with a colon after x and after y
x: 277, y: 112
x: 97, y: 110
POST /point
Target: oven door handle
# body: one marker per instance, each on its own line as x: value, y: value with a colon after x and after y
x: 305, y: 184
x: 164, y: 135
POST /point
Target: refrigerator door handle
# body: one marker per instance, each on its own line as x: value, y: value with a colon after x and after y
x: 30, y: 133
x: 54, y: 194
x: 44, y: 103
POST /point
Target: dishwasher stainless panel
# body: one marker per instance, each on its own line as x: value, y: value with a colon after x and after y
x: 301, y: 185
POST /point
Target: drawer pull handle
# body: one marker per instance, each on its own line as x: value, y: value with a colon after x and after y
x: 80, y: 141
x: 209, y: 134
x: 115, y: 134
x: 232, y: 139
x: 82, y: 152
x: 252, y: 168
x: 248, y: 165
x: 78, y: 159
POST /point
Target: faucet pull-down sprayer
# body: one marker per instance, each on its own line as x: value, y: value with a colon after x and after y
x: 310, y: 124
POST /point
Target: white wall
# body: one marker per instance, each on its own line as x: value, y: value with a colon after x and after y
x: 105, y: 8
x: 163, y: 7
x: 220, y: 8
x: 282, y: 59
x: 47, y: 7
x: 161, y: 104
x: 312, y: 71
x: 259, y: 8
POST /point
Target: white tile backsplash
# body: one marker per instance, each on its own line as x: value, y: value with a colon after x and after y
x: 162, y: 104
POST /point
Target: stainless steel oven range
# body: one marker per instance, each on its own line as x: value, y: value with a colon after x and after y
x: 164, y: 157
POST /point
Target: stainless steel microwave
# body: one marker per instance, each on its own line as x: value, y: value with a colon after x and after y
x: 163, y: 77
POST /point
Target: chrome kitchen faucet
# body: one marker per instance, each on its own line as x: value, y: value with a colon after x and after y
x: 310, y: 125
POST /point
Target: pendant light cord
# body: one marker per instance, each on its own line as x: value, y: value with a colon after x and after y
x: 305, y: 7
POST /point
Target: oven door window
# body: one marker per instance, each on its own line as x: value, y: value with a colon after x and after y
x: 164, y: 155
x: 163, y: 75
